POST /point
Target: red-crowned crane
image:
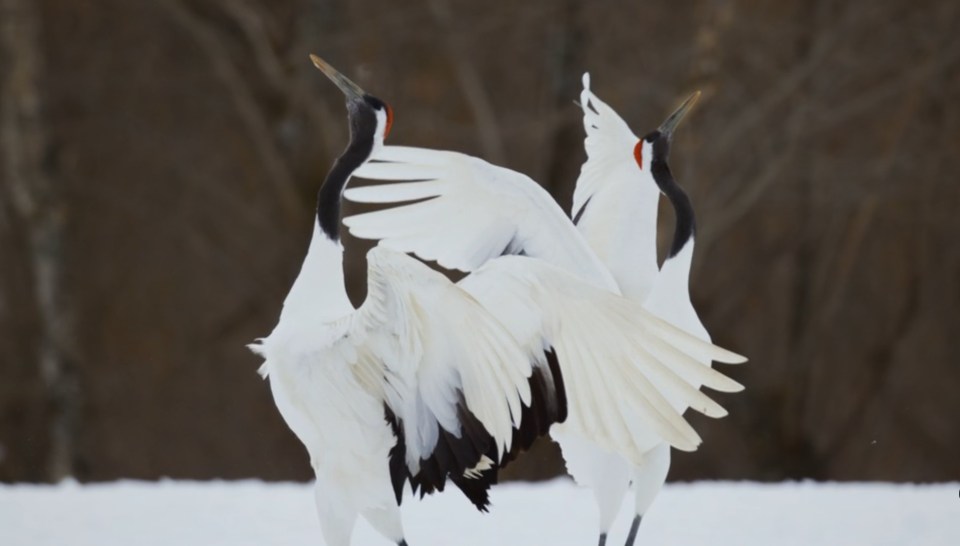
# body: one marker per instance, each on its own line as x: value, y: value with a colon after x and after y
x: 428, y: 381
x: 469, y: 212
x: 615, y: 208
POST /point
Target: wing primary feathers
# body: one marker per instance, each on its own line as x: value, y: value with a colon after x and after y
x: 548, y: 406
x: 460, y: 458
x: 561, y: 390
x: 398, y: 454
x: 453, y: 457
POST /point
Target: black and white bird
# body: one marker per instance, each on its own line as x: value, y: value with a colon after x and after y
x: 389, y: 392
x: 615, y: 208
x: 467, y: 213
x: 428, y: 381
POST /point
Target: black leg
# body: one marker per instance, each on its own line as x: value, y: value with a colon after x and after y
x: 603, y: 539
x: 633, y: 530
x: 403, y: 542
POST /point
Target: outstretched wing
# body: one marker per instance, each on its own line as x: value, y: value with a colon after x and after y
x: 617, y: 360
x: 609, y: 143
x: 458, y: 391
x: 472, y: 211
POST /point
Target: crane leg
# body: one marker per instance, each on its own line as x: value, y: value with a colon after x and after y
x: 633, y: 530
x: 603, y: 539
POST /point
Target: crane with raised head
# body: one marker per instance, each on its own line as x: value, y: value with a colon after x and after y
x: 430, y: 381
x: 615, y: 208
x: 463, y: 213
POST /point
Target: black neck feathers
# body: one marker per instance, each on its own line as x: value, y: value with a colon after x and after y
x: 683, y: 209
x: 363, y: 126
x: 328, y: 200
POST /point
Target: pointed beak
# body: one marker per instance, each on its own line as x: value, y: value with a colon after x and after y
x: 350, y: 89
x: 667, y: 127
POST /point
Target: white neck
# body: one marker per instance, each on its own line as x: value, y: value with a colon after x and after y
x: 620, y: 224
x: 676, y: 268
x: 670, y: 297
x: 319, y: 292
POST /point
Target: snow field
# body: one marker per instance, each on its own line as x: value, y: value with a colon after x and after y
x: 244, y: 513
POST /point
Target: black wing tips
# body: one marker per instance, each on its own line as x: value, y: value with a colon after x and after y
x: 471, y: 459
x: 548, y: 405
x: 457, y: 458
x: 460, y: 459
x: 398, y: 453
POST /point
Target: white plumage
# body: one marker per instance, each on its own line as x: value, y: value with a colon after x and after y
x: 611, y: 203
x: 492, y: 211
x: 614, y: 355
x: 616, y: 200
x: 476, y: 211
x: 471, y: 212
x: 419, y: 385
x: 418, y: 345
x: 428, y: 381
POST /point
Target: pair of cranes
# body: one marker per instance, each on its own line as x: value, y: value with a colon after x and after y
x: 561, y: 327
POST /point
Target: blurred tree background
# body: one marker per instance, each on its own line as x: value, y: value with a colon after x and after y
x: 159, y: 161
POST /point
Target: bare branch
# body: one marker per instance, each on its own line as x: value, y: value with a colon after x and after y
x: 470, y: 83
x: 871, y: 98
x: 785, y: 88
x: 733, y: 212
x: 258, y: 129
x: 281, y: 81
x: 252, y: 25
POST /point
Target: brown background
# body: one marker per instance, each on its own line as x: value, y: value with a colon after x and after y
x: 159, y: 161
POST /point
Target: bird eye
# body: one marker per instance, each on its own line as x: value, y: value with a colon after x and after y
x: 638, y: 154
x: 386, y: 130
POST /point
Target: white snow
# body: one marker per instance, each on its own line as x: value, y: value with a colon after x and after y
x: 554, y: 513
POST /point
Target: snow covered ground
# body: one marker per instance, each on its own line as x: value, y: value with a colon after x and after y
x: 553, y: 513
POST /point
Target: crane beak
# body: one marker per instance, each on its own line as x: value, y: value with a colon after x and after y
x: 350, y: 89
x: 667, y: 127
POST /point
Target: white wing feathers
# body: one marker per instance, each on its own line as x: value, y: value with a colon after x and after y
x: 427, y: 347
x: 615, y: 357
x: 474, y: 212
x: 608, y: 144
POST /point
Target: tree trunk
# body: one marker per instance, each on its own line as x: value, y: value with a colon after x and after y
x: 37, y: 206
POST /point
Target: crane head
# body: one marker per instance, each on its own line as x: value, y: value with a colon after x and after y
x: 657, y: 143
x: 368, y: 114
